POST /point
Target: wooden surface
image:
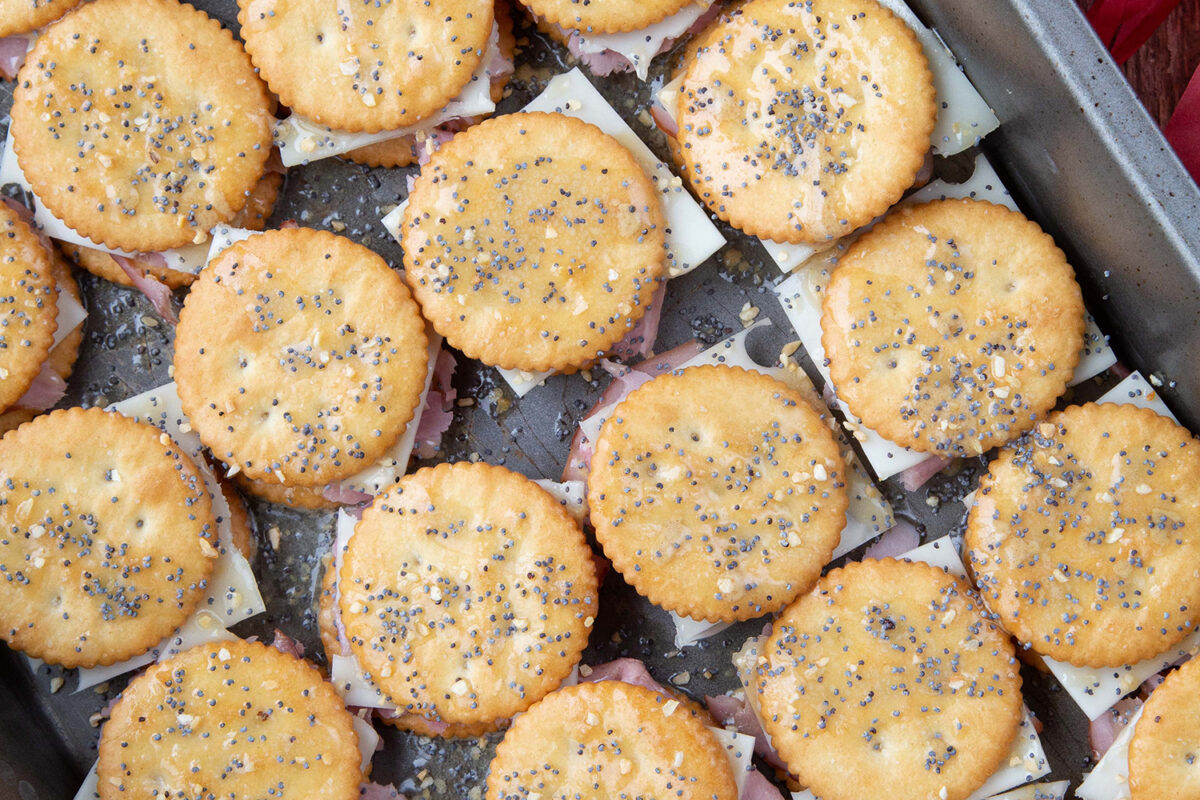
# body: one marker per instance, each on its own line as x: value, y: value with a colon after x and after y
x: 1160, y: 71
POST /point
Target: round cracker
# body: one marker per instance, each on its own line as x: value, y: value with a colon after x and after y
x: 24, y: 16
x: 229, y: 719
x: 28, y: 306
x: 596, y: 741
x: 366, y: 66
x: 300, y: 357
x: 467, y: 592
x: 253, y: 216
x: 952, y: 327
x: 109, y: 537
x: 547, y: 250
x: 432, y: 726
x: 140, y: 123
x: 1164, y: 753
x: 63, y: 355
x: 717, y: 493
x: 1085, y: 535
x: 400, y: 152
x: 817, y: 123
x: 889, y: 669
x: 608, y: 16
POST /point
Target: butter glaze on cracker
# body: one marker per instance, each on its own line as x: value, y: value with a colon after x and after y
x: 1164, y: 753
x: 603, y: 16
x: 28, y: 306
x: 140, y: 123
x: 107, y: 537
x: 229, y: 720
x: 802, y: 120
x: 952, y: 327
x: 889, y: 673
x: 596, y: 741
x: 1085, y: 535
x: 300, y: 357
x: 467, y: 593
x: 23, y: 16
x: 366, y: 66
x: 717, y: 493
x: 534, y: 242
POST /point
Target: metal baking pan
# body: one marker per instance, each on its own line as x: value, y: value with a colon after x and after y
x: 1076, y: 148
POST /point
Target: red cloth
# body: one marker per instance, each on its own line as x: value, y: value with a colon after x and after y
x: 1183, y: 130
x: 1125, y: 25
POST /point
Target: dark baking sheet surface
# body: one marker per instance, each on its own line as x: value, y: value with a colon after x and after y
x: 47, y: 741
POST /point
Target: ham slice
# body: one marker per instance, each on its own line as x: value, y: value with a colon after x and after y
x: 45, y: 391
x: 899, y: 540
x: 155, y: 290
x: 336, y: 493
x: 286, y: 644
x: 639, y: 342
x: 918, y: 475
x: 12, y: 56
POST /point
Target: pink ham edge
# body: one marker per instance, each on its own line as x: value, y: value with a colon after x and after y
x: 438, y: 413
x: 640, y: 340
x: 1105, y: 729
x: 901, y: 538
x: 155, y: 290
x: 12, y: 56
x: 580, y: 453
x: 735, y: 711
x: 607, y: 62
x: 918, y: 475
x: 45, y: 391
x: 287, y: 645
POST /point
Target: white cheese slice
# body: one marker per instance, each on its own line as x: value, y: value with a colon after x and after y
x: 232, y: 594
x: 302, y: 141
x: 181, y: 259
x: 1110, y: 779
x: 964, y: 117
x: 800, y: 296
x: 522, y: 382
x: 70, y: 316
x: 641, y: 46
x: 739, y: 749
x: 345, y: 673
x: 1045, y: 790
x: 571, y: 495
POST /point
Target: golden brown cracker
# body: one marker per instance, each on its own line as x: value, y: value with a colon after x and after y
x: 609, y: 16
x: 63, y: 355
x: 28, y: 306
x: 547, y: 250
x: 799, y: 122
x: 889, y: 673
x: 310, y: 498
x: 366, y: 66
x: 109, y: 537
x: 140, y: 123
x: 467, y: 592
x: 953, y: 326
x: 1084, y: 537
x: 1164, y: 753
x: 229, y: 719
x: 253, y: 216
x: 717, y: 493
x: 24, y: 16
x: 300, y: 357
x: 596, y: 741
